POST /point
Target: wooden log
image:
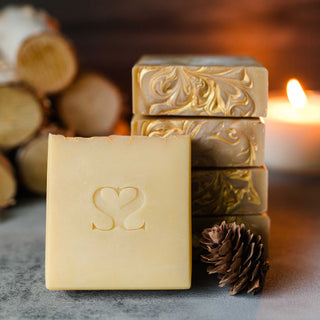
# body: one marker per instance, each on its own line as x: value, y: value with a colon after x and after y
x: 91, y: 106
x: 21, y: 115
x: 31, y: 160
x: 31, y: 42
x: 8, y: 185
x: 32, y: 164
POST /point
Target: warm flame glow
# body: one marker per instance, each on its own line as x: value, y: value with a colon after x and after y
x: 295, y: 93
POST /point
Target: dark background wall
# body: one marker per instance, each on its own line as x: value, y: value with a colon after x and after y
x: 110, y: 36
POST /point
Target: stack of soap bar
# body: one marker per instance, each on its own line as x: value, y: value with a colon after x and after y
x: 118, y: 213
x: 216, y: 142
x: 219, y: 102
x: 229, y: 191
x: 199, y: 86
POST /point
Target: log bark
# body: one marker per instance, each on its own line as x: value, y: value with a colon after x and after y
x: 32, y: 44
x: 31, y: 160
x: 91, y: 106
x: 21, y: 115
x: 8, y: 185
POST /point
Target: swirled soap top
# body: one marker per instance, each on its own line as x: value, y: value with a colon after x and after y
x: 200, y: 86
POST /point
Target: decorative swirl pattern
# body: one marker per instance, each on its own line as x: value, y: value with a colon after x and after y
x: 165, y: 128
x: 241, y: 140
x: 223, y: 192
x: 193, y: 90
x: 215, y: 142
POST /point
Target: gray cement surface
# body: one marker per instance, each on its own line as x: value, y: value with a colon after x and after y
x: 292, y: 289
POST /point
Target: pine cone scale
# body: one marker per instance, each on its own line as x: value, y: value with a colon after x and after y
x: 250, y: 254
x: 225, y: 248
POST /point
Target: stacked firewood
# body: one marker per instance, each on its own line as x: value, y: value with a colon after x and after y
x: 42, y: 91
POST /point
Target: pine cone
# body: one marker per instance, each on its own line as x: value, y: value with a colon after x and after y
x: 236, y: 255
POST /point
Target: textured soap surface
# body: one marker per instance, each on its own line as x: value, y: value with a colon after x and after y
x: 216, y: 142
x: 258, y: 224
x: 229, y: 191
x: 199, y: 86
x: 118, y: 213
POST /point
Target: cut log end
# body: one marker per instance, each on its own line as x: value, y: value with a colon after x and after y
x: 20, y: 116
x: 47, y: 62
x: 8, y: 185
x: 91, y: 106
x: 32, y: 164
x: 31, y: 160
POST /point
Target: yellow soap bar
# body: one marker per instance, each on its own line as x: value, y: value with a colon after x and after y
x: 211, y: 86
x: 118, y: 213
x: 216, y: 142
x: 229, y: 191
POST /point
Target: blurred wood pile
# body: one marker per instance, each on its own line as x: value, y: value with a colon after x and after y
x: 42, y: 92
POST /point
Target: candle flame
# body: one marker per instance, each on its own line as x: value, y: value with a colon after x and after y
x: 295, y: 93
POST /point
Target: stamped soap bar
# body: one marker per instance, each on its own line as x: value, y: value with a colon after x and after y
x: 199, y: 86
x: 258, y: 224
x: 118, y: 213
x: 229, y: 191
x: 216, y: 142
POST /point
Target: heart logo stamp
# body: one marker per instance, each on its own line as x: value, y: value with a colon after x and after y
x: 118, y: 206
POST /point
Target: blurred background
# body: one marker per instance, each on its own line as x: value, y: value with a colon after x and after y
x: 111, y: 35
x: 108, y: 37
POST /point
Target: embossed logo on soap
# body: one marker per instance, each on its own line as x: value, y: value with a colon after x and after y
x: 118, y: 207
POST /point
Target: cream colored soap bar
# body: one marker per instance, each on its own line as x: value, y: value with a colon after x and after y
x: 118, y: 213
x: 200, y: 86
x: 216, y: 142
x: 258, y: 224
x: 229, y: 191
